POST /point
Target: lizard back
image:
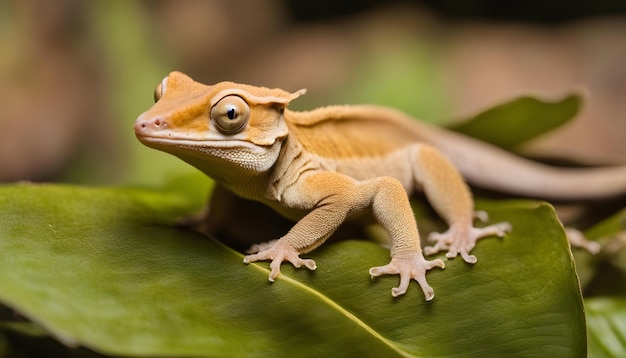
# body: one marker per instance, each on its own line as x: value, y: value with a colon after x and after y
x: 333, y: 132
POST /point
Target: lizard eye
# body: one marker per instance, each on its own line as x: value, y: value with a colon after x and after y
x: 230, y: 114
x: 158, y: 92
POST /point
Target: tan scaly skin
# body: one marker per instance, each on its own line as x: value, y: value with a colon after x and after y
x: 333, y: 164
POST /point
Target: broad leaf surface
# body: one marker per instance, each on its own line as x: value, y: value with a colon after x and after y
x: 105, y: 268
x: 606, y: 319
x: 513, y: 123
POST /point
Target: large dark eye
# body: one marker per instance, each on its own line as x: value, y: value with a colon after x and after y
x: 158, y: 92
x: 230, y: 114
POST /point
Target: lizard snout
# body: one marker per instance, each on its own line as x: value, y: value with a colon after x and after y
x: 144, y: 126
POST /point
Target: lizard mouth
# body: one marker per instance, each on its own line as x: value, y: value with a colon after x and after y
x: 208, y: 153
x: 205, y: 147
x: 197, y: 144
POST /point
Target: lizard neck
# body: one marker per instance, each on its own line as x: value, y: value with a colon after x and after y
x: 293, y: 163
x: 246, y: 173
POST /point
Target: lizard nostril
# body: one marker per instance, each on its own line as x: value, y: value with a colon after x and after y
x: 149, y: 125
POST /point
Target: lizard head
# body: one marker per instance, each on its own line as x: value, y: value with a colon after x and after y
x: 226, y: 122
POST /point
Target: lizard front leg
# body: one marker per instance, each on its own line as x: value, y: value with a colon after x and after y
x: 450, y: 197
x: 323, y: 195
x: 332, y: 198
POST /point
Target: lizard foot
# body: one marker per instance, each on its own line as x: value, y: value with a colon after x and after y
x: 461, y: 240
x: 279, y: 252
x: 256, y: 248
x: 409, y: 267
x: 578, y: 239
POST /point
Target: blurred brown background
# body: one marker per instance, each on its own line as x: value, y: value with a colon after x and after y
x: 75, y: 74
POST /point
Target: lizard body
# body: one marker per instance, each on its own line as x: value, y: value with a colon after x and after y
x: 323, y: 167
x: 479, y: 163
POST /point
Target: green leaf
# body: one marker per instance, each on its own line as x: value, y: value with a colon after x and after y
x: 605, y: 273
x: 106, y: 269
x: 511, y: 124
x: 608, y: 228
x: 606, y: 319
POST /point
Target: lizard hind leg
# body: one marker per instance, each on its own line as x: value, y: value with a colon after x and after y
x: 451, y: 198
x: 461, y: 240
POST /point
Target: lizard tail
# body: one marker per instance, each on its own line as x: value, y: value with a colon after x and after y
x: 489, y: 167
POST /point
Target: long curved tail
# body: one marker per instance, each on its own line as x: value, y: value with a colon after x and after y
x: 490, y: 167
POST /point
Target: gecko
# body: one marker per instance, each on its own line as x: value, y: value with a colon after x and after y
x: 334, y: 164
